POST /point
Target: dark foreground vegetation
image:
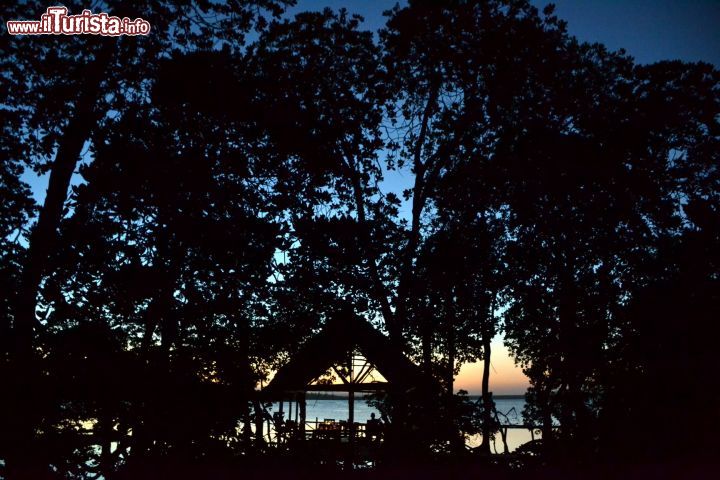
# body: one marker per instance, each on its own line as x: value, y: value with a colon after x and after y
x: 222, y: 187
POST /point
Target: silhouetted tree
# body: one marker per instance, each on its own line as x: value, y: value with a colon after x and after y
x: 231, y: 201
x: 461, y: 67
x: 593, y: 199
x: 66, y: 88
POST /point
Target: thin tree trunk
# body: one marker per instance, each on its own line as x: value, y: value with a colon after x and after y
x: 418, y: 204
x: 303, y: 415
x: 456, y: 439
x: 245, y: 380
x: 379, y: 289
x: 547, y: 431
x: 259, y: 419
x: 488, y: 332
x: 486, y: 396
x: 450, y: 374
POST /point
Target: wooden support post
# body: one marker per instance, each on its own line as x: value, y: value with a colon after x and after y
x: 303, y: 412
x: 351, y: 416
x: 349, y: 462
x: 351, y: 399
x: 280, y: 426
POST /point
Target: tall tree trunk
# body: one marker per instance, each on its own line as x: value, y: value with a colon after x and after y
x: 24, y: 404
x: 146, y: 422
x: 418, y: 203
x: 44, y: 235
x: 378, y: 288
x: 486, y: 395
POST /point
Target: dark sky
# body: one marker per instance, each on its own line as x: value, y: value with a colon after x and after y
x: 649, y: 30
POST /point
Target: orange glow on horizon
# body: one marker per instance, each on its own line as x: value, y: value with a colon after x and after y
x: 506, y: 378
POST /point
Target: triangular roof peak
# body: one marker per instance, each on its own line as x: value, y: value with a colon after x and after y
x: 342, y: 335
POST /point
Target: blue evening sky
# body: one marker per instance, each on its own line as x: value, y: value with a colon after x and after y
x: 650, y: 30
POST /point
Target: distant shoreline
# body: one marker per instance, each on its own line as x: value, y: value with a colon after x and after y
x: 337, y: 396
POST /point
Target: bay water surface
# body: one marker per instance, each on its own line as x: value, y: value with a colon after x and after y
x: 509, y: 410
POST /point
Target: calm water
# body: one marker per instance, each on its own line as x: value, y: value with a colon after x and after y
x: 338, y: 410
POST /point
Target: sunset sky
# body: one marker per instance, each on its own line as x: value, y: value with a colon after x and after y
x: 649, y: 30
x: 505, y: 377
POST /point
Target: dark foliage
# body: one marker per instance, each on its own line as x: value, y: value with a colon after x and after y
x: 218, y: 195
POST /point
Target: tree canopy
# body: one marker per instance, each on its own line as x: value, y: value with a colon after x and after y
x: 218, y: 193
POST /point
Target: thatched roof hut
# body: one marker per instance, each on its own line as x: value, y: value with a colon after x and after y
x: 340, y: 337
